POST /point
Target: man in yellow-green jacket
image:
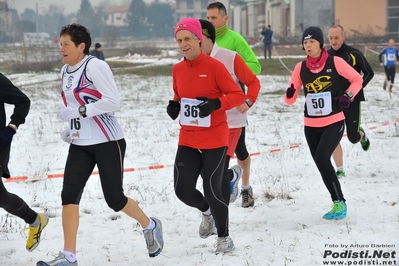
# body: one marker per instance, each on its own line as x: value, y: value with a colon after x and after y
x: 231, y: 40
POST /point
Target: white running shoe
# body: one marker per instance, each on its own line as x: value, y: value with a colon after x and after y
x: 207, y: 226
x: 237, y: 172
x: 224, y: 245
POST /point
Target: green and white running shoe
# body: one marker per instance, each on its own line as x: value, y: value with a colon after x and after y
x: 340, y: 174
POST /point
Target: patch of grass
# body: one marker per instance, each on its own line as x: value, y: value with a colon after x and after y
x: 122, y: 64
x: 149, y: 71
x: 116, y: 52
x: 269, y: 67
x: 275, y: 67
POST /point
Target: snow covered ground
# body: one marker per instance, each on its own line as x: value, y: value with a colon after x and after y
x: 284, y: 228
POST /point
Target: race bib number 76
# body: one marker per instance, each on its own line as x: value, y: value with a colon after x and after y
x: 79, y: 128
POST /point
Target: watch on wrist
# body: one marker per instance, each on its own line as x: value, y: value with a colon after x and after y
x: 248, y: 102
x: 82, y: 110
x: 349, y: 93
x: 13, y: 126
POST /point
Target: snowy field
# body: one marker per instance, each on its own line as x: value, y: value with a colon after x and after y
x: 284, y: 228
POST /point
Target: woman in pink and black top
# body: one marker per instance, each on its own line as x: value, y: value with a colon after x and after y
x: 322, y: 77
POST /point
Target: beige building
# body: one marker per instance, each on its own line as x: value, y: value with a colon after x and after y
x: 116, y: 16
x: 369, y: 20
x: 288, y: 18
x: 194, y: 8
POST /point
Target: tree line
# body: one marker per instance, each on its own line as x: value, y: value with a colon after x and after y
x: 143, y: 20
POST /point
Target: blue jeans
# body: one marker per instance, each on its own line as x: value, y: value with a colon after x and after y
x: 268, y: 47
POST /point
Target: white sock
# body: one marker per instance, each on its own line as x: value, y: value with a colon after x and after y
x: 36, y: 222
x: 340, y: 168
x: 245, y: 187
x: 150, y: 225
x: 70, y: 256
x: 207, y: 212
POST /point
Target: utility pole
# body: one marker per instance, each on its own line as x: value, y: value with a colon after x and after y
x: 37, y: 17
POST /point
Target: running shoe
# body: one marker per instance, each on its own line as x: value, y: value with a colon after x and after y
x: 154, y: 238
x: 207, y: 226
x: 365, y: 142
x: 247, y: 198
x: 340, y: 174
x: 59, y: 260
x: 224, y: 245
x: 237, y: 174
x: 337, y: 212
x: 35, y: 232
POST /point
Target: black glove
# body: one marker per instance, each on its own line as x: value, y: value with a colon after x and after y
x: 173, y: 109
x: 343, y: 101
x: 290, y: 92
x: 6, y: 137
x: 207, y: 106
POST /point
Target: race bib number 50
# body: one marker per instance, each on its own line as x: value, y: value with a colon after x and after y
x: 189, y: 114
x: 319, y: 104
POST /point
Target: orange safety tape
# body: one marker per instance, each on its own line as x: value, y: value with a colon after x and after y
x: 161, y: 166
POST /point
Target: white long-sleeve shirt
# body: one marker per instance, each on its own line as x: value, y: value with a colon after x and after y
x: 91, y: 83
x: 239, y: 71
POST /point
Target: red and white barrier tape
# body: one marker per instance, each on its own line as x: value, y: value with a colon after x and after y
x: 161, y: 166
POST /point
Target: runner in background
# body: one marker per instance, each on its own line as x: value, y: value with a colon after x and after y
x: 237, y: 116
x: 391, y: 59
x: 231, y: 40
x: 356, y: 59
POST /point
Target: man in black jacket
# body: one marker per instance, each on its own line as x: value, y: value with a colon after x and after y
x: 356, y: 59
x: 9, y: 94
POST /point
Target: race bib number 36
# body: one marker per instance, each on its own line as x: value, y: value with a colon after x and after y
x: 79, y: 128
x: 319, y: 104
x: 189, y: 114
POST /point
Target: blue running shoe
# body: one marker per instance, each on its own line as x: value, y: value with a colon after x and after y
x: 237, y: 174
x: 154, y: 238
x: 337, y: 212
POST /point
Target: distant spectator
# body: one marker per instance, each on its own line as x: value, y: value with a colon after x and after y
x: 55, y: 39
x: 97, y: 52
x: 267, y: 40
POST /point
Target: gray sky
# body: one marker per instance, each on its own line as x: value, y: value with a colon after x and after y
x: 70, y: 5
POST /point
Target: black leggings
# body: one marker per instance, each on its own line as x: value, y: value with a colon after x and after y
x: 11, y: 202
x: 322, y: 142
x: 80, y: 163
x: 227, y: 177
x: 189, y: 163
x: 241, y: 148
x: 390, y: 72
x: 352, y: 122
x: 15, y: 205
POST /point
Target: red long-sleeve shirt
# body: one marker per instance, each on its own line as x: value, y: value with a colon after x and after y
x: 206, y: 77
